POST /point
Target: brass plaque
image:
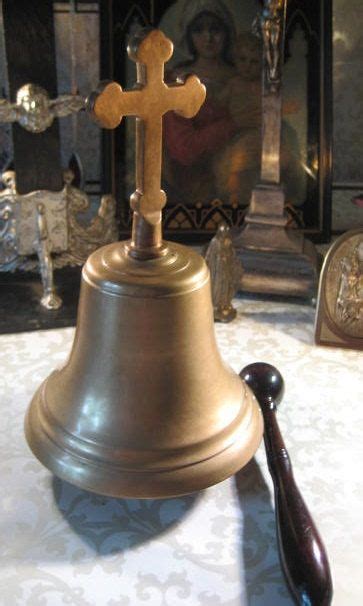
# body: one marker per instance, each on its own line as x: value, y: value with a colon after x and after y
x: 339, y: 318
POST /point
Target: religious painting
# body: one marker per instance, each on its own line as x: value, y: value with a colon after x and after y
x: 212, y: 163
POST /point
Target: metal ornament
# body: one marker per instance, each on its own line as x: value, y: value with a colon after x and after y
x: 271, y: 24
x: 84, y: 239
x: 276, y: 259
x: 145, y: 407
x: 339, y: 317
x: 46, y: 224
x: 50, y: 299
x: 8, y: 241
x: 34, y: 111
x: 225, y: 273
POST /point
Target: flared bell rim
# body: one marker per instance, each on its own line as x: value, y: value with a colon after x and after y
x: 114, y: 479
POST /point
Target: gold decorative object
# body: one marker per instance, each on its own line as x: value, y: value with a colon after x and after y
x: 33, y: 109
x: 145, y: 407
x: 339, y: 318
x: 40, y: 231
x: 225, y: 273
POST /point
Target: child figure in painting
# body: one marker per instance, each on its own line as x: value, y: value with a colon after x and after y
x: 237, y: 167
x: 244, y: 88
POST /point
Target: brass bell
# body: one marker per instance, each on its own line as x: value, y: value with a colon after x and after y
x: 145, y: 406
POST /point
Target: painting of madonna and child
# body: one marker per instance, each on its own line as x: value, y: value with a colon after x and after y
x: 212, y: 161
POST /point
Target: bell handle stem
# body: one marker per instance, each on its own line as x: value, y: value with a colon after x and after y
x: 146, y: 239
x: 302, y: 553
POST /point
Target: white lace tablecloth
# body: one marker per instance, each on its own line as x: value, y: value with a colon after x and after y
x: 61, y: 545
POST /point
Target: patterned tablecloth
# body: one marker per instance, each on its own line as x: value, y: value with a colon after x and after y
x: 61, y: 545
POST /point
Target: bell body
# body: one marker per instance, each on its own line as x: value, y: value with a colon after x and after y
x: 144, y: 406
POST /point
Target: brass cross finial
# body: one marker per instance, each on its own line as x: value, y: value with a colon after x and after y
x: 148, y: 101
